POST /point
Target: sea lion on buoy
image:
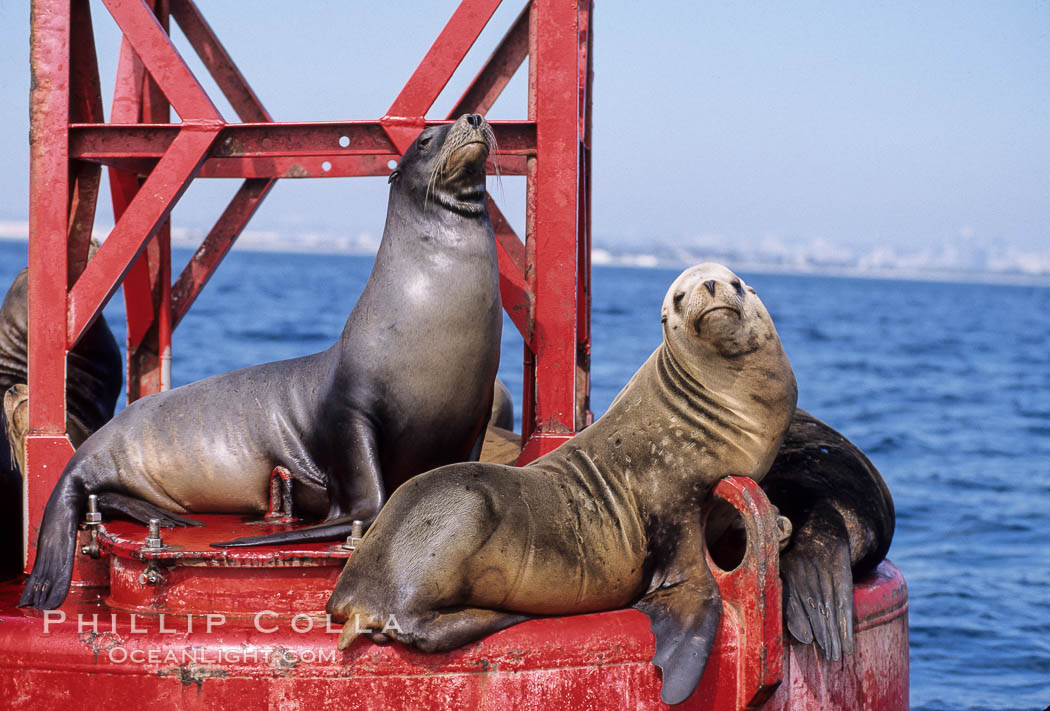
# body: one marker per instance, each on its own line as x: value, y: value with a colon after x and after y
x: 842, y: 520
x: 610, y: 519
x: 406, y: 388
x: 94, y: 366
x: 94, y: 373
x: 502, y: 407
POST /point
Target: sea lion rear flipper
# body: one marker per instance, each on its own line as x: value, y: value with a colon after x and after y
x: 818, y: 584
x: 684, y: 614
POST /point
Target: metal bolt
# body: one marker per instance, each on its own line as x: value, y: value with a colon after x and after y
x: 153, y: 539
x: 92, y: 517
x: 152, y: 575
x: 357, y: 532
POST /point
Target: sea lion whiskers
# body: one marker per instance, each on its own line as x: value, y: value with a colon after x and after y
x: 464, y: 133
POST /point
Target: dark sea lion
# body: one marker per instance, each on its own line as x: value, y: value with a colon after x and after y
x: 842, y: 518
x: 94, y: 367
x: 406, y: 388
x: 94, y: 373
x: 610, y: 519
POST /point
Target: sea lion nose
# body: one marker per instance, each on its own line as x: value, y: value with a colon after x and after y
x: 710, y: 285
x: 474, y: 120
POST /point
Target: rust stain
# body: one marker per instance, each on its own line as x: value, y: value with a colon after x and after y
x: 192, y: 674
x: 283, y: 661
x: 100, y: 642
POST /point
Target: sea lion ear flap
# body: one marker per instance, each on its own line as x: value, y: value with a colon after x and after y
x: 394, y: 177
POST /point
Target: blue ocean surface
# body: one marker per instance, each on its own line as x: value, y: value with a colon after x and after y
x: 945, y: 386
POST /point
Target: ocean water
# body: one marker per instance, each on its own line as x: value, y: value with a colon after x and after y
x: 945, y: 386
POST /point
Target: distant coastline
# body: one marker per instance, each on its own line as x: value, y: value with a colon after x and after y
x: 969, y: 265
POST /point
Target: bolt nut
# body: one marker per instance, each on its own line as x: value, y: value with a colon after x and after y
x: 153, y: 539
x: 92, y: 517
x: 357, y: 532
x: 152, y: 575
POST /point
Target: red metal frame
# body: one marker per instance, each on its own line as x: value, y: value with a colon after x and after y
x: 545, y: 280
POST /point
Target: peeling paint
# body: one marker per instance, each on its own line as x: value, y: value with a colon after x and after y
x: 100, y: 642
x: 193, y: 674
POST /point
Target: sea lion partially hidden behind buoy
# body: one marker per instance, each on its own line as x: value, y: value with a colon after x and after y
x: 610, y: 519
x: 406, y: 388
x: 94, y: 373
x: 842, y: 521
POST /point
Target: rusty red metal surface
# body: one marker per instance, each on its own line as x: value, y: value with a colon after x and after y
x: 244, y: 628
x: 151, y: 161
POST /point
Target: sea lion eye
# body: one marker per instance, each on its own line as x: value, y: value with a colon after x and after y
x: 424, y: 141
x: 678, y: 300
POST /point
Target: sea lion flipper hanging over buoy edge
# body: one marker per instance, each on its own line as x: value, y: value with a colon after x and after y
x: 416, y: 362
x: 842, y: 517
x: 684, y: 611
x: 608, y: 520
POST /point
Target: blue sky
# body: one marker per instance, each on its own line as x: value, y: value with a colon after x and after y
x: 895, y: 123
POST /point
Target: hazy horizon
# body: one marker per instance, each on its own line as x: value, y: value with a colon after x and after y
x: 905, y: 126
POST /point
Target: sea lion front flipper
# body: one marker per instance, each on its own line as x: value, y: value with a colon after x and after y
x: 684, y: 613
x: 818, y: 583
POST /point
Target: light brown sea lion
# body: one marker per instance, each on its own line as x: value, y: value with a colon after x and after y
x: 406, y: 388
x: 610, y: 519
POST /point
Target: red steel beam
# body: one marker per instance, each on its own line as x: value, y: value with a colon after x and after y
x: 148, y: 281
x: 404, y: 119
x: 49, y: 108
x: 554, y: 202
x: 148, y: 209
x: 216, y: 245
x: 584, y: 416
x: 47, y: 447
x: 514, y: 289
x: 85, y: 106
x: 252, y: 191
x: 163, y: 62
x: 499, y: 69
x: 218, y: 62
x: 101, y: 142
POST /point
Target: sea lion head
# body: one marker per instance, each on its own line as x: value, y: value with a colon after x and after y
x: 446, y: 165
x: 710, y: 312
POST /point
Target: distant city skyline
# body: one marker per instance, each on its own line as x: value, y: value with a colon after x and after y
x: 961, y: 261
x: 902, y: 127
